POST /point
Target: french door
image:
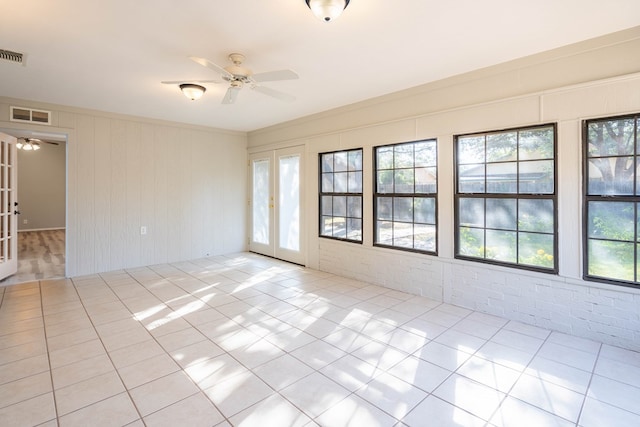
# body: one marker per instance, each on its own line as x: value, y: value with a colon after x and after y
x: 8, y: 207
x: 275, y: 223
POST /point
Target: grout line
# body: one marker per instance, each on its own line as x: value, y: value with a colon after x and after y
x: 175, y: 275
x: 521, y: 374
x: 586, y: 393
x: 46, y: 343
x: 106, y: 352
x: 181, y: 369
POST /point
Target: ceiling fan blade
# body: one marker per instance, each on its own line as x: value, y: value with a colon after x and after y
x: 231, y: 95
x: 38, y: 141
x: 274, y: 93
x: 206, y: 63
x: 179, y: 82
x: 271, y: 76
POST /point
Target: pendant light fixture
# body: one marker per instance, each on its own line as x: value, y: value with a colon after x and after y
x: 327, y: 10
x: 192, y: 91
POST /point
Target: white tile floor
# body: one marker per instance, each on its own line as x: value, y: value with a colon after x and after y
x: 245, y: 340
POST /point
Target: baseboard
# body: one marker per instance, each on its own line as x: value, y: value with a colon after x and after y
x: 42, y: 229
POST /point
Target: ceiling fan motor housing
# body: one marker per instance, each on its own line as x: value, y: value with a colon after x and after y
x: 239, y: 72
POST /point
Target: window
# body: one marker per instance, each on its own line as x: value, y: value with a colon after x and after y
x: 405, y: 202
x: 612, y: 199
x: 505, y: 198
x: 341, y: 195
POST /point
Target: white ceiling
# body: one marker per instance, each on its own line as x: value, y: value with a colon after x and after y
x: 111, y: 55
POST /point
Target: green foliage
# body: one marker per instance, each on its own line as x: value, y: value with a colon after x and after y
x: 610, y: 227
x: 539, y: 223
x: 535, y: 249
x: 614, y: 260
x: 540, y: 258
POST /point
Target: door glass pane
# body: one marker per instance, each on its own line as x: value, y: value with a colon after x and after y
x: 260, y: 197
x: 289, y: 202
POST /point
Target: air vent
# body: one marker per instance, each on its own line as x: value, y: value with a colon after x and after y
x: 7, y: 55
x: 29, y: 115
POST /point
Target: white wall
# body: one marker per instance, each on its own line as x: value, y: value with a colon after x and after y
x: 186, y: 184
x: 42, y: 189
x: 597, y: 78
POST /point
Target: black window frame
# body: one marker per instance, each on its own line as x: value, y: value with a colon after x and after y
x: 345, y: 194
x: 633, y: 198
x: 496, y: 197
x: 424, y: 195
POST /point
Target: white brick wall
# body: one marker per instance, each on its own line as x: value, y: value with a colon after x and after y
x: 414, y: 274
x: 605, y: 313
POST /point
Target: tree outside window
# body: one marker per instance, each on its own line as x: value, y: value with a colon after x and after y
x: 612, y: 198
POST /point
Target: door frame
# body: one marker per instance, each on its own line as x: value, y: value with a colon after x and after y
x: 41, y: 131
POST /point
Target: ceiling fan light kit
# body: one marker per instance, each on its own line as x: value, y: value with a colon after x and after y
x: 327, y: 10
x: 28, y: 144
x: 32, y: 144
x: 192, y: 91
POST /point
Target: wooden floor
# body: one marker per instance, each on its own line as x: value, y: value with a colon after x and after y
x: 40, y: 256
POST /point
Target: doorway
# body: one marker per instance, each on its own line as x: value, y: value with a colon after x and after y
x: 276, y: 213
x: 41, y: 198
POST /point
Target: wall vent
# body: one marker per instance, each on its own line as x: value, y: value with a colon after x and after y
x: 8, y: 55
x: 29, y: 115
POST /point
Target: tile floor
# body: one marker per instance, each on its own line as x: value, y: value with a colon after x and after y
x: 245, y: 340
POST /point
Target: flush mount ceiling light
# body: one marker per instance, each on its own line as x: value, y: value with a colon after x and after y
x: 327, y: 10
x: 192, y: 91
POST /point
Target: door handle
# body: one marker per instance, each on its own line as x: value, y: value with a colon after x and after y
x: 16, y: 212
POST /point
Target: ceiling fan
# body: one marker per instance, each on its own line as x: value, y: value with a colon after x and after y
x: 29, y: 144
x: 238, y: 76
